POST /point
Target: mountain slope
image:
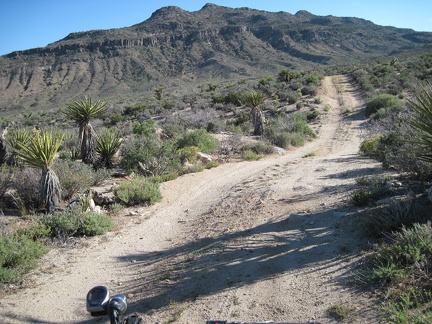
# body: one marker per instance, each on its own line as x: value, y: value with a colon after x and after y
x: 174, y: 44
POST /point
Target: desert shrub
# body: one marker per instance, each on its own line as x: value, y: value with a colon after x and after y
x: 409, y: 307
x: 148, y: 155
x: 191, y: 169
x: 406, y: 248
x: 383, y: 101
x: 389, y: 218
x: 371, y: 189
x: 313, y: 114
x: 361, y: 197
x: 74, y: 222
x: 234, y: 98
x: 164, y: 177
x: 18, y: 255
x: 199, y: 138
x: 250, y: 155
x: 146, y: 127
x: 313, y: 78
x: 396, y: 149
x: 309, y: 90
x: 292, y: 97
x: 369, y: 146
x: 340, y: 312
x: 258, y: 147
x: 135, y: 110
x: 206, y: 118
x: 27, y: 189
x: 138, y: 191
x: 34, y: 231
x: 74, y: 177
x: 289, y: 130
x: 188, y: 153
x: 400, y: 268
x: 95, y: 224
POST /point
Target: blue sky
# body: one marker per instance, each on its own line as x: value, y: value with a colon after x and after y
x: 26, y: 24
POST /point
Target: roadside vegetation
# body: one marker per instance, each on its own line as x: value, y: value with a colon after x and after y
x: 398, y: 111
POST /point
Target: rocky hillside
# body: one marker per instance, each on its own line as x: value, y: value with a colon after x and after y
x: 175, y: 46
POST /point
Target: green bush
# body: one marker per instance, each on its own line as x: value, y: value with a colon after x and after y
x: 250, y: 155
x: 18, y: 255
x: 64, y: 225
x: 361, y: 197
x: 289, y: 130
x: 313, y: 115
x: 258, y: 147
x: 200, y: 138
x: 138, y: 191
x: 35, y: 231
x: 149, y: 156
x: 146, y: 127
x: 369, y: 146
x: 381, y: 101
x: 95, y: 224
x: 188, y: 153
x: 400, y: 267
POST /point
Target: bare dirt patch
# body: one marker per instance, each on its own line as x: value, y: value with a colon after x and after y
x: 251, y: 241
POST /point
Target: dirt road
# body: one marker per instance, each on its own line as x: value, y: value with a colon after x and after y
x: 250, y: 241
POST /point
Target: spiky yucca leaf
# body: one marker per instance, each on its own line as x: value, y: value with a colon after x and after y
x: 422, y: 123
x: 81, y: 111
x: 107, y: 145
x: 254, y: 99
x: 18, y: 136
x: 41, y: 149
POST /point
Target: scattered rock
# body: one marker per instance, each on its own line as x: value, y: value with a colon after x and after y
x: 204, y: 158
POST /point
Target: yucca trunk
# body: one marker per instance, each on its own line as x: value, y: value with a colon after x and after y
x: 50, y: 190
x: 258, y: 121
x: 88, y: 145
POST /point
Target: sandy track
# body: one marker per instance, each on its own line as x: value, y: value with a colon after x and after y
x: 251, y: 241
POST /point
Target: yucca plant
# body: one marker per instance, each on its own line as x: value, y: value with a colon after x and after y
x: 40, y: 152
x: 15, y: 137
x: 81, y: 112
x: 107, y: 145
x: 254, y: 100
x: 422, y: 124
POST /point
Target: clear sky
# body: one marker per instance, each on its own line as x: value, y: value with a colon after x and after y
x: 26, y: 24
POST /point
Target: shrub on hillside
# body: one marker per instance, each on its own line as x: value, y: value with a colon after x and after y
x: 18, y: 255
x: 27, y: 189
x: 138, y: 191
x: 148, y: 155
x: 369, y: 146
x: 383, y: 105
x: 64, y: 225
x: 289, y: 130
x: 199, y: 138
x: 76, y: 177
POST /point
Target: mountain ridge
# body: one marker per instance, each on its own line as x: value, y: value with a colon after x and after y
x: 213, y: 42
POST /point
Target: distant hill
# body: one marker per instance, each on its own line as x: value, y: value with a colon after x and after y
x: 175, y: 46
